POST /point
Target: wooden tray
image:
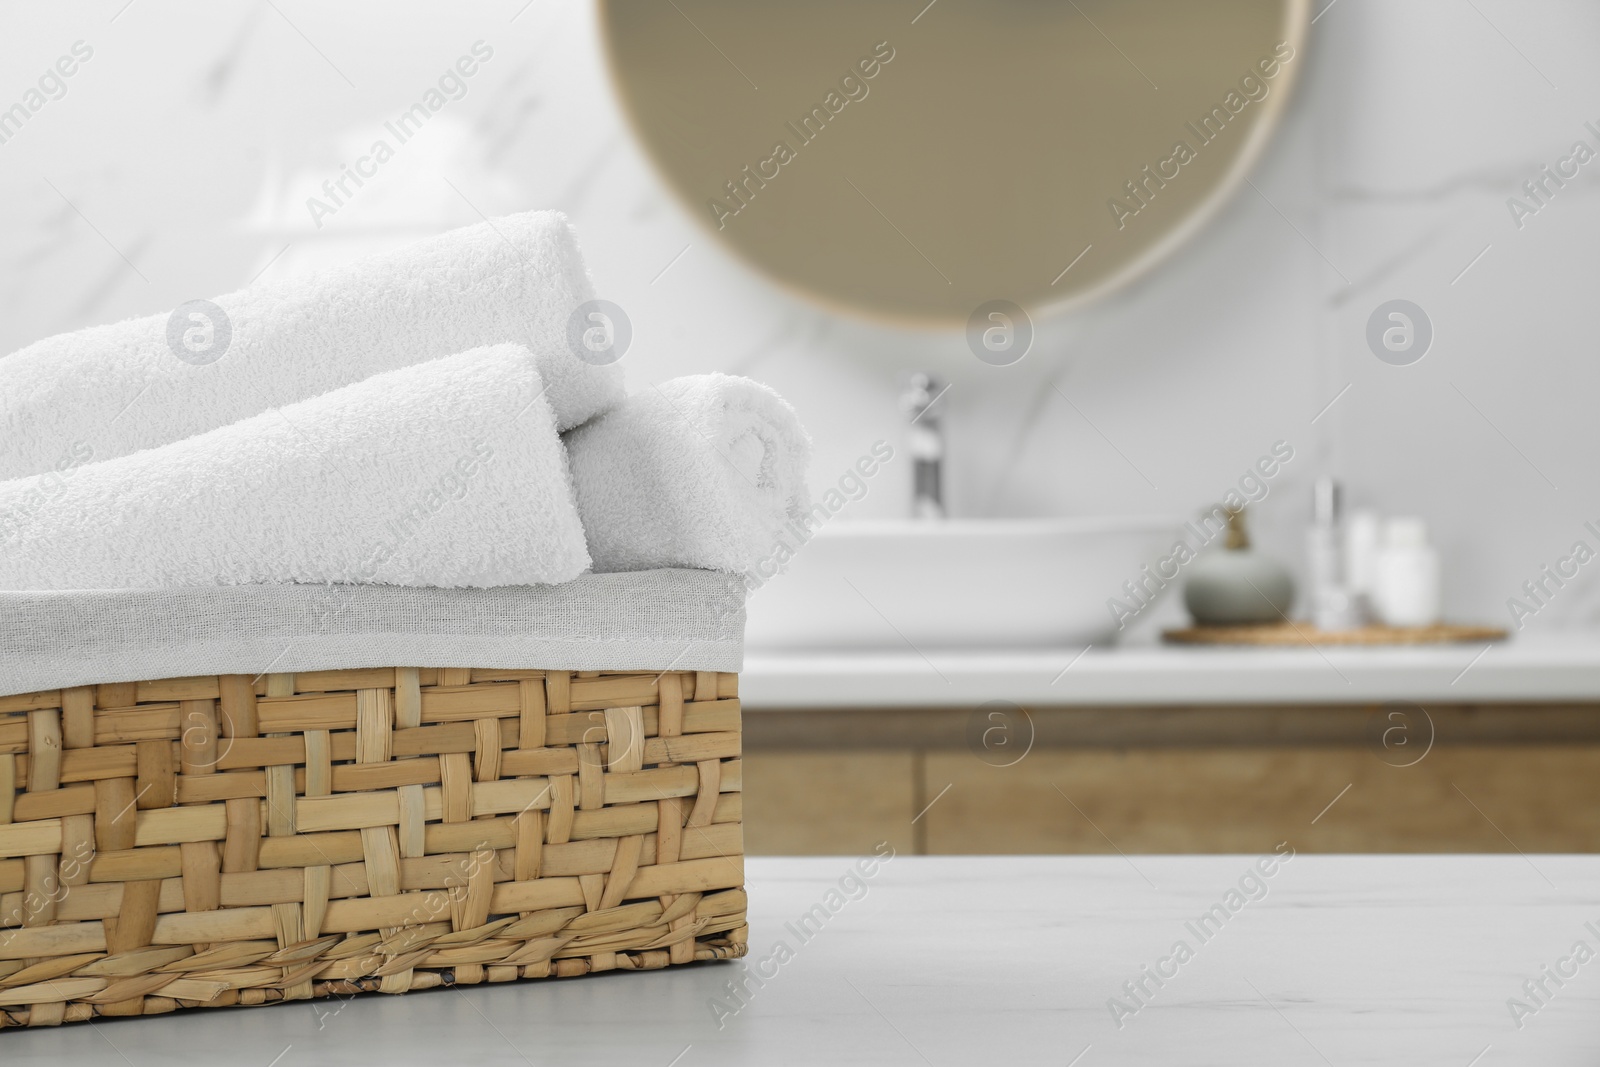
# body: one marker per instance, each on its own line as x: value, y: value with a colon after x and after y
x: 1302, y: 633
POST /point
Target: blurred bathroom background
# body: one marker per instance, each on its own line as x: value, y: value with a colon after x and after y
x: 178, y: 165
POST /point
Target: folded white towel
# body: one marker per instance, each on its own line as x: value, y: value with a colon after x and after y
x: 112, y: 390
x: 449, y: 473
x: 704, y: 471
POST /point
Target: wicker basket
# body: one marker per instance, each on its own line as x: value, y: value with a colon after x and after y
x: 215, y: 841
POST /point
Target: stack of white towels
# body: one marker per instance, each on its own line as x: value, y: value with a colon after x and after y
x: 422, y: 418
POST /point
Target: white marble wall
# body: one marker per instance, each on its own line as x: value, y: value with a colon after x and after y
x: 179, y: 160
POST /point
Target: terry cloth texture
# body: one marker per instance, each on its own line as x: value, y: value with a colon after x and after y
x: 704, y: 471
x: 447, y: 473
x: 111, y: 390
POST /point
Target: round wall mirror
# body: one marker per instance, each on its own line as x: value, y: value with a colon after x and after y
x: 914, y: 160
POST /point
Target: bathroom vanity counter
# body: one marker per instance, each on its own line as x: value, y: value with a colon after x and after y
x: 1328, y: 959
x: 1530, y: 668
x: 1162, y: 749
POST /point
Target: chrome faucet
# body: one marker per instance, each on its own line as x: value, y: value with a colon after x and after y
x: 926, y: 440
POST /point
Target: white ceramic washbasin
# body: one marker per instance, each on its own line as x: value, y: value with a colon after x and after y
x: 955, y: 583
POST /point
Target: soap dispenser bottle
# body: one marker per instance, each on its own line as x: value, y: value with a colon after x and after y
x: 1237, y: 586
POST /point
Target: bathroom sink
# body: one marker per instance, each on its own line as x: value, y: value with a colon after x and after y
x: 956, y: 583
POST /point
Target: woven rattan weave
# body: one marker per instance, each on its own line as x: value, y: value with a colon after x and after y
x: 216, y: 841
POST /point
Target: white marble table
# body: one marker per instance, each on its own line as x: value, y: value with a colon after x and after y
x: 1531, y: 667
x: 1344, y: 960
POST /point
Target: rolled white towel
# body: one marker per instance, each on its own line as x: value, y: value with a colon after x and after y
x: 449, y: 474
x: 704, y: 471
x: 113, y: 390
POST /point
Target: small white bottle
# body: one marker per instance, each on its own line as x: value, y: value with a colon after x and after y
x: 1406, y: 575
x: 1362, y: 532
x: 1332, y: 608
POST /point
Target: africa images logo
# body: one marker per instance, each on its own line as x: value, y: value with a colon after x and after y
x: 1254, y: 87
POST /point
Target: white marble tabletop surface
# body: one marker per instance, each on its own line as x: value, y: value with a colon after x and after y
x: 1528, y: 668
x: 1326, y: 960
